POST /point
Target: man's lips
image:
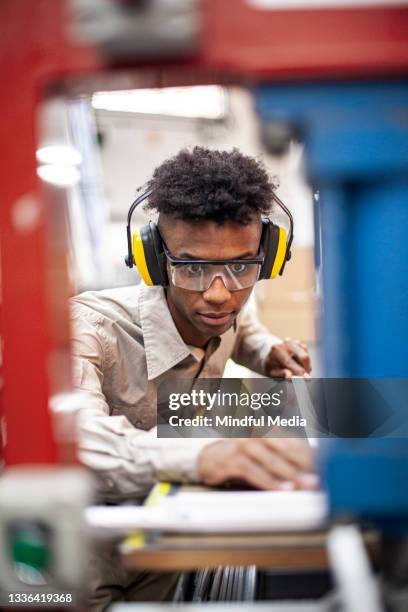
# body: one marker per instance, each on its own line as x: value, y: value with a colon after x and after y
x: 216, y: 319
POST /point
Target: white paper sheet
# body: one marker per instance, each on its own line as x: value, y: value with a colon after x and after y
x: 216, y: 512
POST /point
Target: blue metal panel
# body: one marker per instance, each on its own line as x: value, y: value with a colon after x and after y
x: 335, y: 265
x: 356, y: 137
x: 353, y: 130
x: 357, y: 154
x: 379, y: 280
x: 367, y: 478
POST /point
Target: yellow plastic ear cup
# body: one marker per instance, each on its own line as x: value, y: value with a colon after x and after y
x: 140, y: 259
x: 280, y: 253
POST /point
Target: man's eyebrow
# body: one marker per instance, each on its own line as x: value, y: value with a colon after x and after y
x: 247, y: 254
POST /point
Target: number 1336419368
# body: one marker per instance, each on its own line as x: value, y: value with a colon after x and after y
x: 26, y: 599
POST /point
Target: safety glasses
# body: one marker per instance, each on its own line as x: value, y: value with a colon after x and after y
x: 198, y: 274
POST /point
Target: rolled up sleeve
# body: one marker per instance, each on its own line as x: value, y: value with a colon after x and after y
x: 253, y: 341
x: 126, y: 460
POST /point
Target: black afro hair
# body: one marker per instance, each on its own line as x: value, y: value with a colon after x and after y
x: 215, y: 185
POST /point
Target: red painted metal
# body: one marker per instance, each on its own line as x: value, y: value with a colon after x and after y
x: 33, y: 50
x: 238, y: 42
x: 286, y: 44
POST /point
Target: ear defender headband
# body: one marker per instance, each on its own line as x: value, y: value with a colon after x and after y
x: 146, y: 251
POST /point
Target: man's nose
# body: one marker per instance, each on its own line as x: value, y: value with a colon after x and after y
x: 217, y: 293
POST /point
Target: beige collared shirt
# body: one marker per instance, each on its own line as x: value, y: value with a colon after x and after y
x: 124, y: 343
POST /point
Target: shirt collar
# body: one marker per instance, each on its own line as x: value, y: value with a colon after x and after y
x: 164, y: 347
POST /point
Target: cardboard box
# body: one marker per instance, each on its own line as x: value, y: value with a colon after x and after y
x: 287, y: 305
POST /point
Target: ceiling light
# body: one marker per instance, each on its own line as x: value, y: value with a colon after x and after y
x: 58, y: 175
x: 61, y: 155
x: 207, y: 102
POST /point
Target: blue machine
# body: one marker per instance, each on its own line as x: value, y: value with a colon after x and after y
x: 356, y: 137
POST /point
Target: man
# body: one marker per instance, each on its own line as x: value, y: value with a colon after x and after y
x: 126, y: 341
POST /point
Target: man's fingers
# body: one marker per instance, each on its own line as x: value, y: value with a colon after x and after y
x: 254, y: 474
x: 280, y: 373
x: 300, y: 355
x: 299, y: 342
x: 287, y: 362
x: 267, y: 463
x: 276, y: 465
x: 294, y: 450
x: 279, y: 471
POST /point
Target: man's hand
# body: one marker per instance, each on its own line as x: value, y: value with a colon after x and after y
x: 265, y: 463
x: 287, y: 359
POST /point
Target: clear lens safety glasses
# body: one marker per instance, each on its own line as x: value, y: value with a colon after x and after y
x: 198, y: 275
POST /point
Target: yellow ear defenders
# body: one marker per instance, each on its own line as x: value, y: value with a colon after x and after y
x: 146, y: 252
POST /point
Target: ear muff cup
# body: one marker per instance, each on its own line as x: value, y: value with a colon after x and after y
x: 149, y: 256
x: 273, y: 243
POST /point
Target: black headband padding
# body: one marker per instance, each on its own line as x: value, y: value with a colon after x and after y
x: 269, y: 244
x: 154, y: 254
